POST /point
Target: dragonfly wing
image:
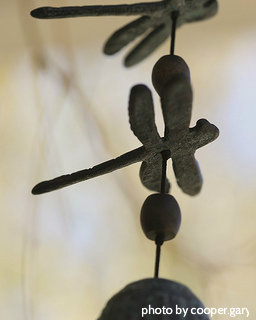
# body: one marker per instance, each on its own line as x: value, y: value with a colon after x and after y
x: 142, y: 116
x: 151, y: 172
x: 153, y: 40
x: 126, y: 34
x: 176, y: 101
x: 187, y: 174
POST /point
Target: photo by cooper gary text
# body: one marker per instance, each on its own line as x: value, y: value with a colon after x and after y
x: 211, y: 312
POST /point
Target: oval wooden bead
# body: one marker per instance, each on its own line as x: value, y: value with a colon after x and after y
x: 166, y: 68
x: 160, y: 217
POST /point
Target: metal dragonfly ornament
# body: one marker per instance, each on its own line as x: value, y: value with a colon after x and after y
x: 154, y: 21
x: 171, y: 79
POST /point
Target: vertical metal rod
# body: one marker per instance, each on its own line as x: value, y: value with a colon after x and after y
x: 165, y: 154
x: 157, y: 261
x: 159, y: 241
x: 163, y: 179
x: 174, y: 17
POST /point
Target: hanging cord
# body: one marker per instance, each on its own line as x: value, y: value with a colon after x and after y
x: 164, y: 166
x: 165, y: 154
x: 159, y: 243
x: 159, y: 240
x: 174, y: 17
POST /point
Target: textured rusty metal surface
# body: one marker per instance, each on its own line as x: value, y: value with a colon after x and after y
x: 179, y: 140
x: 154, y: 23
x: 128, y: 303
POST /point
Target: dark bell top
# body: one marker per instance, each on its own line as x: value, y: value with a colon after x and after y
x: 128, y: 303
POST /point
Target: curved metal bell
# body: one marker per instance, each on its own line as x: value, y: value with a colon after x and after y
x: 136, y: 299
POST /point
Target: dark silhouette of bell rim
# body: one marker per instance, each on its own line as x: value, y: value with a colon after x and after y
x: 127, y: 304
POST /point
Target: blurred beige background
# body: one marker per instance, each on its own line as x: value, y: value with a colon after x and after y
x: 64, y: 108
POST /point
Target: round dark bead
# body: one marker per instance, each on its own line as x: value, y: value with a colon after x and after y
x: 166, y: 68
x: 160, y: 217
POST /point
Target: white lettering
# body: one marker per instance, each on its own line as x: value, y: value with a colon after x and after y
x: 178, y: 310
x: 185, y: 310
x: 151, y: 309
x: 232, y: 312
x: 158, y: 310
x: 169, y: 310
x: 144, y: 311
x: 193, y: 310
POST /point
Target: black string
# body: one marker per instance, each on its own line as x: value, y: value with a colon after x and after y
x: 159, y: 240
x: 165, y: 156
x: 174, y: 18
x: 159, y: 243
x: 163, y: 179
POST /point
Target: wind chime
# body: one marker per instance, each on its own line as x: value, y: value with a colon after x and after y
x: 160, y: 214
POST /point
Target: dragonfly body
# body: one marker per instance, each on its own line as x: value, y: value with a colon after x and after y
x: 180, y: 141
x: 154, y: 22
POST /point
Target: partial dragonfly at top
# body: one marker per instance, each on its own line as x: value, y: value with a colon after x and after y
x: 154, y: 22
x: 171, y: 79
